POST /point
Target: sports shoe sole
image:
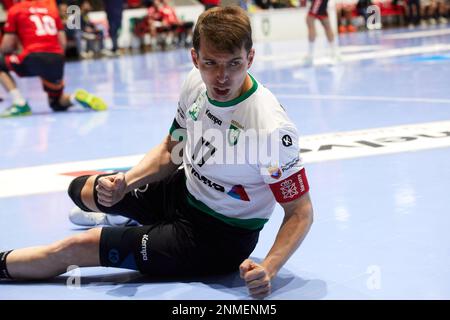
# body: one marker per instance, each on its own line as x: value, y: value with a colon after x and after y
x: 90, y: 101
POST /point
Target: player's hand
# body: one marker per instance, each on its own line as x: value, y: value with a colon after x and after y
x: 111, y: 189
x: 256, y: 278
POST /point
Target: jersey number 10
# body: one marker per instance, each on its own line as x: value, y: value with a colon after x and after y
x: 45, y: 25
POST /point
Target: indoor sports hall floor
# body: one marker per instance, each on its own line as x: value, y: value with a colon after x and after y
x: 376, y: 134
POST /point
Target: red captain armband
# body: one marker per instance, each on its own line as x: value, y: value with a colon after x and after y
x: 290, y: 188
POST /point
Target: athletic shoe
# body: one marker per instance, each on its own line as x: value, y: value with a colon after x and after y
x: 90, y: 101
x: 308, y: 61
x: 16, y: 111
x: 92, y: 219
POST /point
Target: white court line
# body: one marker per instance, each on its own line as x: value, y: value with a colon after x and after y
x: 315, y: 148
x: 298, y: 60
x: 417, y: 34
x: 364, y: 98
x: 397, y: 52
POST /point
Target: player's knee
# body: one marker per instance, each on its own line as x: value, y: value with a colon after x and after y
x: 74, y: 191
x: 77, y: 248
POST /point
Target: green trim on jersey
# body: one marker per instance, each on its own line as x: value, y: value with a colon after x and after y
x: 174, y: 126
x: 252, y: 224
x: 237, y: 100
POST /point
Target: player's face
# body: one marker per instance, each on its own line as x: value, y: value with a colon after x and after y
x: 224, y: 73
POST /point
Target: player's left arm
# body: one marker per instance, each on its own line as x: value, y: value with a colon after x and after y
x: 298, y: 217
x: 10, y: 43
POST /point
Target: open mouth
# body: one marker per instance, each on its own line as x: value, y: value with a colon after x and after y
x: 221, y: 92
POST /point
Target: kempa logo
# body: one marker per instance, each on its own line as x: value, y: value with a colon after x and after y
x: 144, y: 247
x: 213, y: 118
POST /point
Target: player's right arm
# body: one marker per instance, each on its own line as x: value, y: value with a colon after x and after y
x: 156, y: 165
x: 62, y: 39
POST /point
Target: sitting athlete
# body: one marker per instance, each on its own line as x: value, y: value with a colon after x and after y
x: 318, y: 10
x: 36, y: 28
x: 205, y: 217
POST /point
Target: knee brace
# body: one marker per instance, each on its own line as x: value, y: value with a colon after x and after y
x: 74, y: 191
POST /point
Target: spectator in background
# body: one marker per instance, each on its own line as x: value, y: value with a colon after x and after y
x: 114, y: 9
x: 88, y: 34
x: 413, y: 9
x: 163, y: 20
x: 210, y: 3
x: 344, y: 15
x: 361, y: 8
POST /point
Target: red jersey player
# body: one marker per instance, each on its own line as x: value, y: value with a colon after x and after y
x: 36, y: 28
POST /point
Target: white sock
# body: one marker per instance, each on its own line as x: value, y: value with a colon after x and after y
x: 332, y: 48
x: 73, y: 101
x: 311, y: 48
x: 17, y: 97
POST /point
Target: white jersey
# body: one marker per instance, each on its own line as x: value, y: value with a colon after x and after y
x: 240, y: 156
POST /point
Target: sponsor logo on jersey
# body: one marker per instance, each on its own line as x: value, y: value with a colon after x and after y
x: 286, y: 140
x: 238, y: 192
x: 234, y: 131
x: 206, y: 181
x: 213, y: 118
x: 275, y: 172
x: 143, y: 251
x: 195, y: 108
x: 290, y: 164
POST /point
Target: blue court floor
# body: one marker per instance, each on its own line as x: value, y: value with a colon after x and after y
x: 376, y: 134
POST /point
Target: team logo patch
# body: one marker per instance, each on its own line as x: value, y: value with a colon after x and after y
x: 195, y: 108
x: 288, y: 189
x: 233, y: 132
x: 286, y: 140
x: 291, y: 188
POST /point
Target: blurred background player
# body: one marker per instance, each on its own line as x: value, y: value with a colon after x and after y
x: 114, y: 10
x: 35, y: 29
x: 318, y: 10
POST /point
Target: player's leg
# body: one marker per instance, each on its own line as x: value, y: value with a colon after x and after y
x: 149, y: 204
x: 48, y: 261
x: 332, y: 51
x: 19, y: 105
x: 310, y: 22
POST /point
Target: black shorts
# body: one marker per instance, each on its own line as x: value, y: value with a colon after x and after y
x: 318, y: 9
x: 48, y: 66
x: 175, y: 239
